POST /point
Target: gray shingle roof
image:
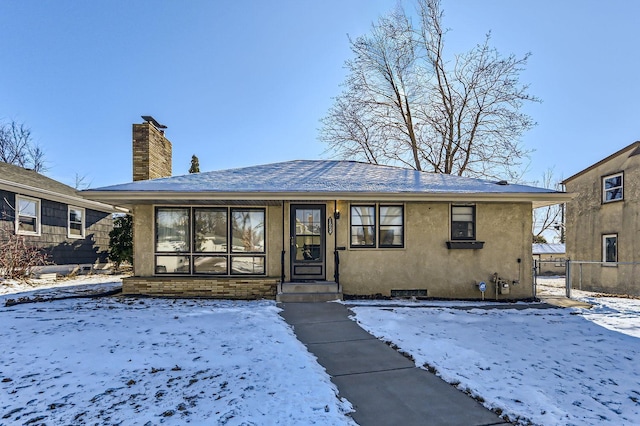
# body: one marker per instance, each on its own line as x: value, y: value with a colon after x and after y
x: 19, y: 175
x: 321, y: 176
x: 28, y: 182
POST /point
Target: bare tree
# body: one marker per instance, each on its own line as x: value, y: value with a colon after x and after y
x: 548, y: 218
x: 81, y: 182
x: 405, y: 102
x: 17, y: 147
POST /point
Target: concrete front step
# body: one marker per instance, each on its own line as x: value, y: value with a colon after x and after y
x: 320, y: 291
x: 308, y: 297
x: 311, y: 287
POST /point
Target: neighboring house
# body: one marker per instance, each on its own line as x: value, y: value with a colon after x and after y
x: 603, y: 224
x: 70, y: 229
x: 549, y: 259
x: 302, y: 226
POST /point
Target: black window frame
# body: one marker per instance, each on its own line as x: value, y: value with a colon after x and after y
x: 377, y: 242
x: 229, y: 254
x: 473, y: 222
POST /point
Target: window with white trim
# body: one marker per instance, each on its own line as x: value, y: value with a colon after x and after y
x: 76, y: 222
x: 377, y: 225
x: 27, y: 215
x: 210, y: 241
x: 613, y: 188
x: 610, y: 248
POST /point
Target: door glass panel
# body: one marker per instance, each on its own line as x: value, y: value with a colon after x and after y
x: 308, y: 235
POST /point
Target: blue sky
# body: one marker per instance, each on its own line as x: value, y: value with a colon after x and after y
x: 242, y: 82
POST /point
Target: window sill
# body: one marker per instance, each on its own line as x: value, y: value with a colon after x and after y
x: 473, y: 245
x: 29, y: 234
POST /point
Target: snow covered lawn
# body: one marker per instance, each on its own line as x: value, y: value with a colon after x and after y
x: 544, y: 366
x: 151, y: 361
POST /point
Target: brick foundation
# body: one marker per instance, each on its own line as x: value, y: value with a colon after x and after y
x: 217, y: 288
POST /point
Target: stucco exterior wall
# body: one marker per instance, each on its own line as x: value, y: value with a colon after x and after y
x: 588, y: 219
x: 426, y: 263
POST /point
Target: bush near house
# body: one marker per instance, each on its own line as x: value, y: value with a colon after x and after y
x: 17, y: 258
x: 121, y: 241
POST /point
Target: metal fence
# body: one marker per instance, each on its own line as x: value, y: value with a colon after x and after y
x: 621, y: 278
x: 614, y: 278
x: 548, y: 268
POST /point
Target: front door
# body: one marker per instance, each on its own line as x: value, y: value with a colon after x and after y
x: 307, y: 242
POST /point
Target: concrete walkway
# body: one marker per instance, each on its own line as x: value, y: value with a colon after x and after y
x: 384, y: 387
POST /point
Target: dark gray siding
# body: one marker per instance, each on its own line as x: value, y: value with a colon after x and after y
x: 54, y: 240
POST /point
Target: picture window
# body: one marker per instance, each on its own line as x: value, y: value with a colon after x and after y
x: 210, y: 241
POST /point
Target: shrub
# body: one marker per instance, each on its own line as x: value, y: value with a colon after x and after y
x: 121, y: 241
x: 17, y: 258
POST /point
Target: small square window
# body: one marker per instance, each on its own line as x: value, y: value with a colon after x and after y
x: 463, y: 222
x: 613, y: 188
x: 610, y: 248
x: 27, y: 216
x: 76, y: 222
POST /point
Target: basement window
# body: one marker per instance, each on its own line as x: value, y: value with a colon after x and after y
x: 409, y: 293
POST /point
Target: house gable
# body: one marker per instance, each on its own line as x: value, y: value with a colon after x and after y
x: 68, y: 227
x: 606, y: 212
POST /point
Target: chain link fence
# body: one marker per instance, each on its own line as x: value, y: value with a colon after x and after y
x: 615, y: 278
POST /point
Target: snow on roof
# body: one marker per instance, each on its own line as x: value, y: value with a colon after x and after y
x: 549, y: 249
x: 318, y: 176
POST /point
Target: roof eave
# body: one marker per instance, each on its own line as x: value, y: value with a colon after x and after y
x: 143, y: 197
x: 635, y: 145
x: 58, y: 197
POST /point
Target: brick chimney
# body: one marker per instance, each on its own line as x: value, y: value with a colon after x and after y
x: 151, y: 150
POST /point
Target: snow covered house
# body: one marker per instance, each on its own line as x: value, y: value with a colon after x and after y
x: 70, y: 229
x: 313, y: 230
x: 602, y: 223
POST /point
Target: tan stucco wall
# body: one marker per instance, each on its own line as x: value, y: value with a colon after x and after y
x: 143, y: 240
x: 587, y: 219
x: 424, y: 263
x: 427, y: 263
